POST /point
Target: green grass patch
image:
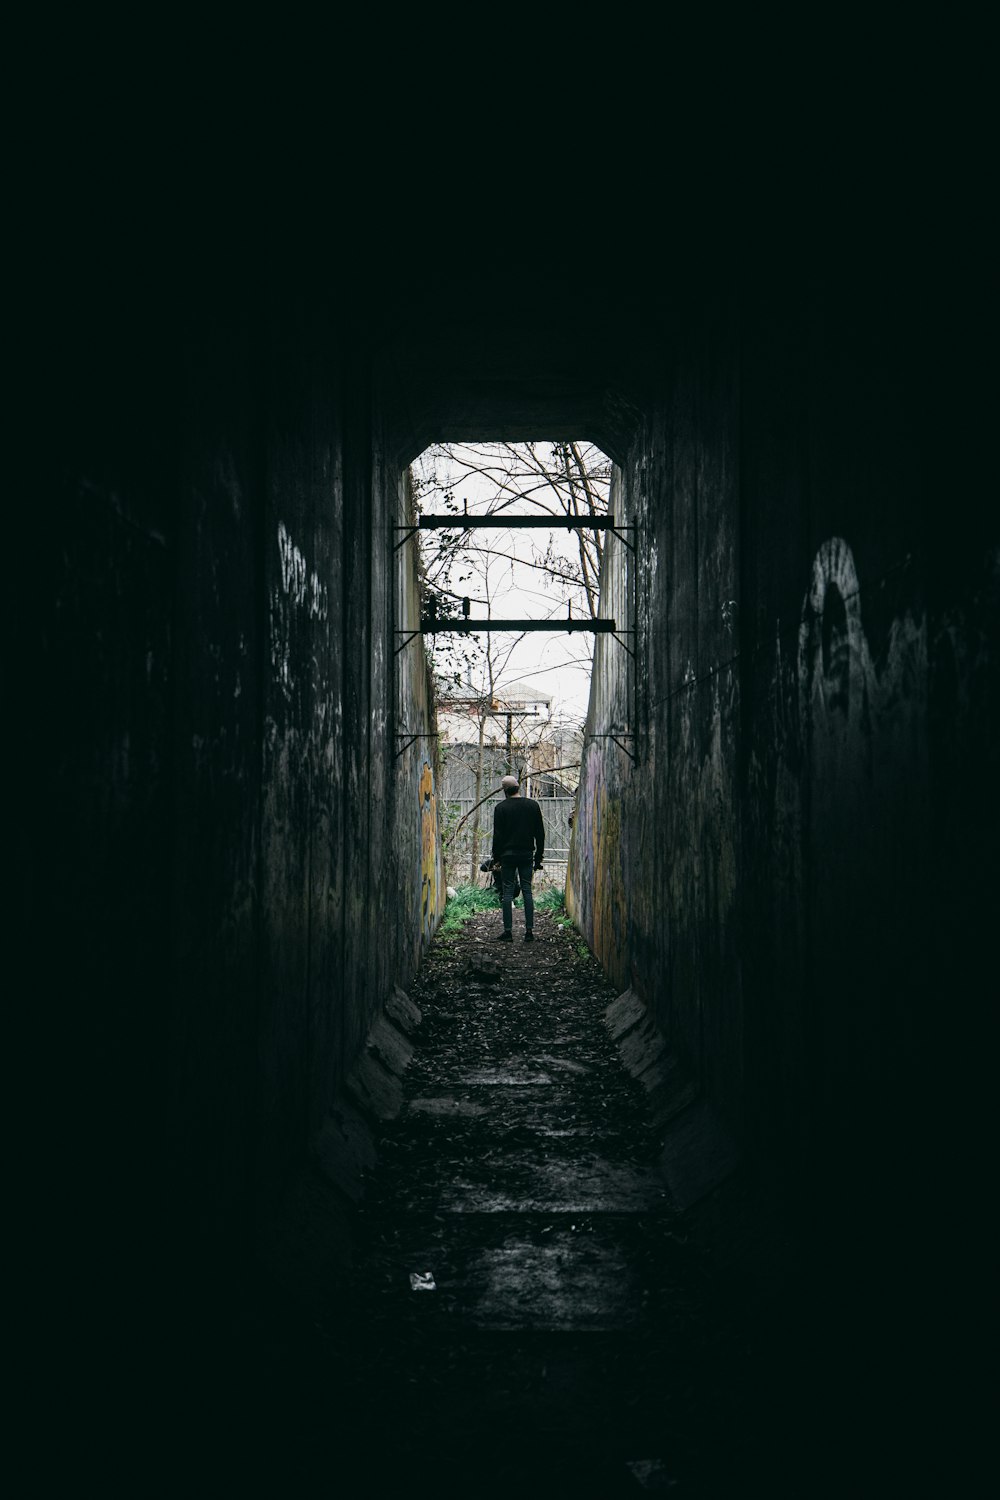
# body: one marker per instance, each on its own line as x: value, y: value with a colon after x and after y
x: 470, y: 899
x: 475, y: 898
x: 555, y: 902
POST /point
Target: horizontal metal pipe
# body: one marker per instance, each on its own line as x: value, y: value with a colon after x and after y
x: 465, y: 627
x: 549, y: 523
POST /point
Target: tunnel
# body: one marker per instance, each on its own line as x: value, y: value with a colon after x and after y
x: 783, y: 855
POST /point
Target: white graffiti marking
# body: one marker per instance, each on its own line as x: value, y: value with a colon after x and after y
x: 842, y: 690
x: 302, y: 587
x: 835, y: 667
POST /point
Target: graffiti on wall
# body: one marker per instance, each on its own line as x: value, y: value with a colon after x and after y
x: 836, y: 678
x: 843, y: 715
x: 596, y: 894
x: 843, y: 692
x: 427, y: 800
x: 609, y: 902
x: 299, y: 591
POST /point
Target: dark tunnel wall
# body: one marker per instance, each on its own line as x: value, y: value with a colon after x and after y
x: 654, y: 871
x: 226, y: 866
x: 246, y: 867
x: 795, y: 872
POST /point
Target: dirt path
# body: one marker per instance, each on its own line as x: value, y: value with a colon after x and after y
x: 572, y: 1343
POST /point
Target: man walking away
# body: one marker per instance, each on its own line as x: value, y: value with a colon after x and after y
x: 518, y: 843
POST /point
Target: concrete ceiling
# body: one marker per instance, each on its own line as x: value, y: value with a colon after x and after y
x: 511, y: 357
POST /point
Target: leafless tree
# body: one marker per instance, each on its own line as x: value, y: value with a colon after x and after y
x: 561, y: 480
x: 570, y: 480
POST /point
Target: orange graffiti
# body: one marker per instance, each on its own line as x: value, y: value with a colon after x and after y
x: 428, y: 850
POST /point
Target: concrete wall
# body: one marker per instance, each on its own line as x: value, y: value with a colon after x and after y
x: 421, y: 884
x: 653, y: 877
x: 246, y: 867
x: 795, y: 871
x: 223, y: 864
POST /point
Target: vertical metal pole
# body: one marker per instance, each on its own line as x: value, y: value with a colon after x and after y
x: 478, y: 814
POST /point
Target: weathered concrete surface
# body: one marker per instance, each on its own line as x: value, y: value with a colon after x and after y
x: 647, y: 1057
x: 226, y: 867
x: 247, y: 868
x: 698, y: 1156
x: 525, y: 1286
x: 698, y: 1153
x: 791, y: 874
x: 586, y: 1186
x: 308, y: 1240
x: 345, y: 1150
x: 572, y: 1328
x: 403, y: 1012
x: 376, y: 1086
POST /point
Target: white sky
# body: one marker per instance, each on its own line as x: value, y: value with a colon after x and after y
x: 558, y: 664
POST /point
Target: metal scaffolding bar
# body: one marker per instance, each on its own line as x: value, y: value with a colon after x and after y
x: 461, y: 522
x: 473, y: 627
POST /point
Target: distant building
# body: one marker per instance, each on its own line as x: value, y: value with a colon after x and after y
x: 461, y: 713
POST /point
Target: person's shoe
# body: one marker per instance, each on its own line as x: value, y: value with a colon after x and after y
x: 529, y: 936
x: 505, y: 937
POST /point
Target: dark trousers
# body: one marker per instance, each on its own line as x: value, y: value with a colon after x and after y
x: 519, y: 864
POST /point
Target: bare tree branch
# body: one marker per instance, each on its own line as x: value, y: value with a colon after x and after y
x: 495, y: 791
x: 568, y: 480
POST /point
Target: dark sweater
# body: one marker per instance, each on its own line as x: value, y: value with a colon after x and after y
x: 518, y: 829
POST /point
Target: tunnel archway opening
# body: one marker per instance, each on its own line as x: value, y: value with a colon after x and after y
x: 519, y: 1228
x: 510, y: 701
